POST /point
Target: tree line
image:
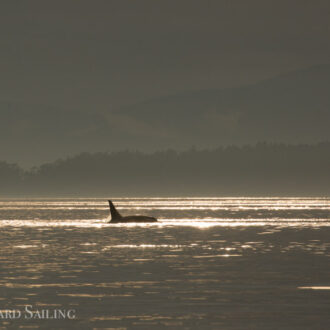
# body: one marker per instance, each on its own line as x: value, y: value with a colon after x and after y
x: 262, y: 169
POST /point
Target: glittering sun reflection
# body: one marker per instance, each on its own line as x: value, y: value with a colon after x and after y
x: 143, y: 246
x: 314, y: 287
x: 202, y: 263
x: 195, y: 212
x: 197, y: 223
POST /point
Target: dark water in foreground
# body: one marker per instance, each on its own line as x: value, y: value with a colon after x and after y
x: 223, y: 263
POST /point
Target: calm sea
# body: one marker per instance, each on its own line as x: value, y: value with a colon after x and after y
x: 209, y: 263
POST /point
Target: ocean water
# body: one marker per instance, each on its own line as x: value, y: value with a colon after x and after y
x: 209, y: 263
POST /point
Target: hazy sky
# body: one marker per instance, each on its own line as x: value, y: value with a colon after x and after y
x: 104, y: 54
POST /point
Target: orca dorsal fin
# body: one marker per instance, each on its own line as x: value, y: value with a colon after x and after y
x: 114, y: 213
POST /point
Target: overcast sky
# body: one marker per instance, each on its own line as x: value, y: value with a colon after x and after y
x: 105, y: 54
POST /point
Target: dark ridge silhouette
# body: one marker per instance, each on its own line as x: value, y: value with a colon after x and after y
x: 263, y: 169
x: 117, y: 218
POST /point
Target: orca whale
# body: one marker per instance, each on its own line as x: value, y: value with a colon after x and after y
x: 117, y: 218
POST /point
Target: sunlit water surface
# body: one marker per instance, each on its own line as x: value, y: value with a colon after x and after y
x: 209, y: 263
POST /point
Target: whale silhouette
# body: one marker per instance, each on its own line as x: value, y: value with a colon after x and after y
x: 117, y: 218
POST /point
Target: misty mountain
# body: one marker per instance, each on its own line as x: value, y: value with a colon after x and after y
x: 291, y: 108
